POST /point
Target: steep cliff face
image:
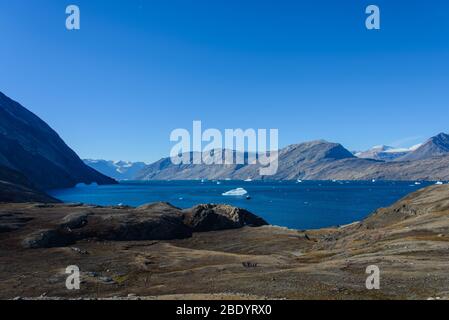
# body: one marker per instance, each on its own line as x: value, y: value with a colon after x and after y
x: 33, y: 149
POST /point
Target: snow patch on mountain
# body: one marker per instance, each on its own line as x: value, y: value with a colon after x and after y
x: 386, y: 153
x: 119, y: 170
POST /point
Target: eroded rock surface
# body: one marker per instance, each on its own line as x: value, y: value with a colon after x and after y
x: 158, y: 221
x: 209, y: 217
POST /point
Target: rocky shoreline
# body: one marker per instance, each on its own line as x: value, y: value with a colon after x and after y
x: 219, y: 252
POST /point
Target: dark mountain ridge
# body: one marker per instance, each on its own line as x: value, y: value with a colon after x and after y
x: 34, y: 156
x: 15, y: 187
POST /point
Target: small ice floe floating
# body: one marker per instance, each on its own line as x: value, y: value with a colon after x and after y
x: 299, y: 181
x: 249, y: 180
x: 236, y: 192
x: 374, y: 180
x: 417, y: 183
x: 218, y: 182
x: 439, y: 183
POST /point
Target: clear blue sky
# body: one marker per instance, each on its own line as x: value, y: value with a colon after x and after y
x: 138, y: 69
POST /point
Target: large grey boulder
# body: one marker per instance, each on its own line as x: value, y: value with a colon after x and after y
x: 210, y: 217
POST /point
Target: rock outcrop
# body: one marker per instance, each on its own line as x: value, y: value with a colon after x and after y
x: 47, y: 226
x: 203, y: 218
x: 157, y: 222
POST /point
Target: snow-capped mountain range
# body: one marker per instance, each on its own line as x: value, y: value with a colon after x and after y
x: 386, y: 153
x: 119, y: 170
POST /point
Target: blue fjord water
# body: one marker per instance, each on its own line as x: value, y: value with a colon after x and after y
x: 310, y: 204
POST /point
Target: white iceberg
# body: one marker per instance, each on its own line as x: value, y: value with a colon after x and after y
x: 236, y: 192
